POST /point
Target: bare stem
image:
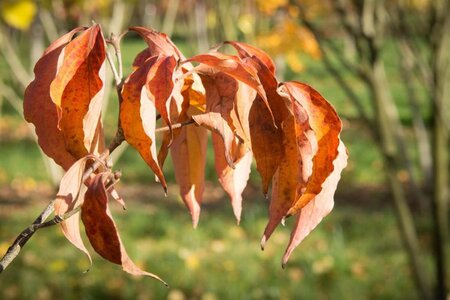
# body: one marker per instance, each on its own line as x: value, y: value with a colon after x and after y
x: 175, y: 126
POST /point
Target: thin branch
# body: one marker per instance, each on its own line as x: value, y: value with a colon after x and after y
x: 174, y: 126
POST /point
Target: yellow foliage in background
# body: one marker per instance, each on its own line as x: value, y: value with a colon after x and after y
x: 289, y: 39
x: 18, y: 14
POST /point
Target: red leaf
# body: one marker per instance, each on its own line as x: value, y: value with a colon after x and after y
x: 77, y: 91
x: 138, y: 118
x: 38, y: 107
x: 70, y: 196
x: 314, y: 211
x: 102, y: 231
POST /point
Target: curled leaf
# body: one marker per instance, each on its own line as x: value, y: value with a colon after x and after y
x: 314, y: 211
x: 233, y: 180
x: 232, y: 66
x: 214, y: 122
x: 246, y: 50
x: 138, y: 117
x: 327, y: 126
x: 158, y: 42
x: 294, y: 170
x: 77, y: 91
x: 69, y: 197
x: 38, y: 107
x: 102, y: 231
x: 189, y: 160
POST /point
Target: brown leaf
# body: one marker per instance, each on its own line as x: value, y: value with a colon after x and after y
x: 38, y: 107
x: 70, y: 196
x: 314, y: 211
x: 102, y: 231
x: 138, y: 117
x: 189, y: 160
x: 294, y: 170
x: 246, y: 50
x: 233, y: 181
x: 327, y: 126
x: 78, y: 89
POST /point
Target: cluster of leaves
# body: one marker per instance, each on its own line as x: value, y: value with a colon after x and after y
x: 289, y: 128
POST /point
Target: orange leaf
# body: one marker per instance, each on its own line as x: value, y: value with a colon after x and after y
x: 158, y: 43
x: 214, y: 122
x: 77, y: 91
x: 246, y: 50
x: 102, y: 231
x: 160, y: 85
x: 294, y: 170
x: 326, y: 125
x: 189, y: 159
x: 314, y: 211
x: 233, y: 181
x: 70, y: 195
x: 232, y: 66
x: 38, y: 107
x: 138, y: 117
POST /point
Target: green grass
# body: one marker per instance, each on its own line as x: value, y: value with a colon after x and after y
x: 345, y: 257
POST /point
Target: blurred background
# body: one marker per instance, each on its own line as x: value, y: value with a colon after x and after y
x: 382, y: 64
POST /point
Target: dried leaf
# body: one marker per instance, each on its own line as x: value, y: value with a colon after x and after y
x: 78, y: 89
x: 189, y: 160
x: 102, y: 231
x: 138, y: 117
x: 39, y: 109
x: 314, y: 211
x: 294, y: 170
x: 233, y: 181
x: 69, y: 197
x: 214, y: 122
x: 160, y: 85
x: 327, y: 126
x: 246, y: 50
x: 232, y: 66
x: 158, y: 43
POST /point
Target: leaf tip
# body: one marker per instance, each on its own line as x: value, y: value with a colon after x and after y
x: 263, y: 242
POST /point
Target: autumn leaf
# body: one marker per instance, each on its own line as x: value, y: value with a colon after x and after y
x: 189, y: 160
x: 294, y: 170
x: 69, y: 197
x: 327, y: 126
x: 233, y: 180
x: 246, y: 50
x: 78, y: 89
x: 138, y: 117
x: 160, y: 86
x: 101, y: 229
x: 214, y: 122
x: 38, y: 107
x: 314, y: 211
x: 158, y: 43
x: 232, y: 66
